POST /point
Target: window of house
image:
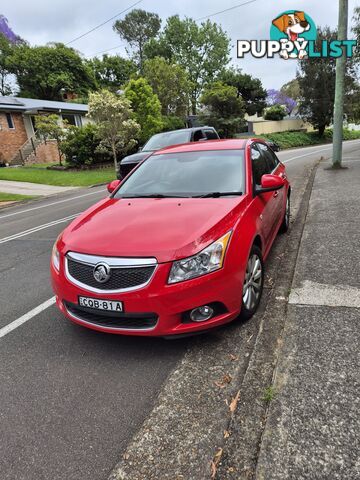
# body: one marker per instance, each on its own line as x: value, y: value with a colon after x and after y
x: 71, y: 119
x: 9, y: 120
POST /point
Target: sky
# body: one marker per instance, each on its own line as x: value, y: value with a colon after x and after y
x: 41, y: 21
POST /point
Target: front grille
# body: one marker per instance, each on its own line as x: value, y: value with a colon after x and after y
x: 126, y: 168
x: 120, y: 278
x: 129, y: 321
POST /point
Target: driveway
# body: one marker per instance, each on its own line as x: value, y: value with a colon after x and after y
x: 32, y: 189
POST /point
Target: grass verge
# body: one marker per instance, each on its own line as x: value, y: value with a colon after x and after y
x: 12, y: 197
x: 83, y: 178
x: 306, y: 139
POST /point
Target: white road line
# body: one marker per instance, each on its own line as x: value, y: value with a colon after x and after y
x: 36, y: 229
x: 50, y: 204
x: 28, y: 316
x: 315, y: 147
x: 306, y: 155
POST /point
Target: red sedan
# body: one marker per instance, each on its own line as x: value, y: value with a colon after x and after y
x: 179, y: 245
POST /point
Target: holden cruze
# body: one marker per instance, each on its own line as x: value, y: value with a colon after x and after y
x: 179, y: 245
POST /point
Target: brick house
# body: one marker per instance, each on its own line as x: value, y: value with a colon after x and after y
x: 18, y: 140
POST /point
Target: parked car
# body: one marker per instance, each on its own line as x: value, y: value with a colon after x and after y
x: 273, y: 145
x: 165, y: 139
x: 179, y: 246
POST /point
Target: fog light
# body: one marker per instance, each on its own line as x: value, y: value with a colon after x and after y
x: 201, y: 314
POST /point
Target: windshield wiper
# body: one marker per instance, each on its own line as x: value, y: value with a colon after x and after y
x: 153, y: 195
x: 218, y: 194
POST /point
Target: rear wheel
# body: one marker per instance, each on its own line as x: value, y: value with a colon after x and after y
x: 286, y: 220
x: 253, y: 284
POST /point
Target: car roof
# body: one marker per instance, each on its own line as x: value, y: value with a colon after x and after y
x: 233, y: 144
x: 190, y: 129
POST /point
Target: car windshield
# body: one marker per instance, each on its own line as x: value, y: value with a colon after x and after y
x: 189, y: 174
x: 162, y: 140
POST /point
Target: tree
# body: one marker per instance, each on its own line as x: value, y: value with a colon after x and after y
x: 250, y: 89
x: 201, y: 50
x: 291, y: 89
x: 276, y: 97
x: 6, y: 49
x: 49, y: 127
x: 45, y: 72
x: 114, y: 118
x: 275, y: 112
x: 225, y: 109
x: 112, y: 72
x: 170, y: 83
x: 316, y: 78
x: 146, y: 107
x: 137, y: 28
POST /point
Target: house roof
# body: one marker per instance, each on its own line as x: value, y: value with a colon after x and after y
x: 32, y: 105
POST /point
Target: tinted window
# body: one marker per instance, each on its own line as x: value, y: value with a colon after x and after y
x: 259, y: 164
x: 269, y: 155
x: 211, y: 135
x: 166, y: 139
x: 198, y: 135
x: 187, y: 174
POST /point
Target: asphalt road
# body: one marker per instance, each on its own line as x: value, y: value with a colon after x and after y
x: 71, y: 398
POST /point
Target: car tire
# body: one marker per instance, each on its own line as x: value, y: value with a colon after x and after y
x: 284, y: 227
x: 253, y: 284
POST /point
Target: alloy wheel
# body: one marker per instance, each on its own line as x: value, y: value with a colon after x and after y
x: 253, y: 282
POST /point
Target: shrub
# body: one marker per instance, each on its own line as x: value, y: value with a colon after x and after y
x: 81, y: 147
x: 172, y: 123
x: 275, y: 112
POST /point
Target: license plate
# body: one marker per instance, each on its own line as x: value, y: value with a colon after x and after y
x: 98, y: 304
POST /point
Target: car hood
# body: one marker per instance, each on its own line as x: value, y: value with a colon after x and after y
x: 167, y: 228
x: 136, y: 157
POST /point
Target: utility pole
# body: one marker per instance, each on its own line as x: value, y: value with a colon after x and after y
x: 340, y: 86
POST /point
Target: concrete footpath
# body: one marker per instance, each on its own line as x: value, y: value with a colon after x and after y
x: 313, y: 422
x: 32, y: 189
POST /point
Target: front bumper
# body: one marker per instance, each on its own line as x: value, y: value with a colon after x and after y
x: 166, y: 303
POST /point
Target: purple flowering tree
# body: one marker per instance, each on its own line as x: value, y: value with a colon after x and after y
x: 275, y: 97
x: 6, y: 30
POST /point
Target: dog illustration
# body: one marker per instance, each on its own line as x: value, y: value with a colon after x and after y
x: 293, y: 25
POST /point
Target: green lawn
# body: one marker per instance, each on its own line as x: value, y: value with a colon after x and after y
x: 83, y: 178
x: 12, y: 197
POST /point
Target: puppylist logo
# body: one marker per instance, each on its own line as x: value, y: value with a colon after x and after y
x: 293, y: 36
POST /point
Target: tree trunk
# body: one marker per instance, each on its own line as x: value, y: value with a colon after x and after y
x: 321, y: 130
x: 113, y: 148
x: 60, y: 154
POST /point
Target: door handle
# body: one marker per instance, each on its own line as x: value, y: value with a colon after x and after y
x: 276, y: 194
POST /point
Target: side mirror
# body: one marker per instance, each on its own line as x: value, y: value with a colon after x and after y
x: 270, y: 183
x: 140, y: 149
x: 113, y: 185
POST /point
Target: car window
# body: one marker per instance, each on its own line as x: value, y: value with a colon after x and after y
x: 269, y: 155
x: 167, y: 139
x: 260, y: 166
x: 198, y: 135
x: 187, y: 174
x: 211, y: 135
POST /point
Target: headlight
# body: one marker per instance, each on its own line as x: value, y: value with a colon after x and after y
x: 208, y: 260
x: 55, y: 257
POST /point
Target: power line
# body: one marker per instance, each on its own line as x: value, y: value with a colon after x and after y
x: 196, y: 20
x: 226, y: 10
x: 103, y: 23
x: 108, y: 50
